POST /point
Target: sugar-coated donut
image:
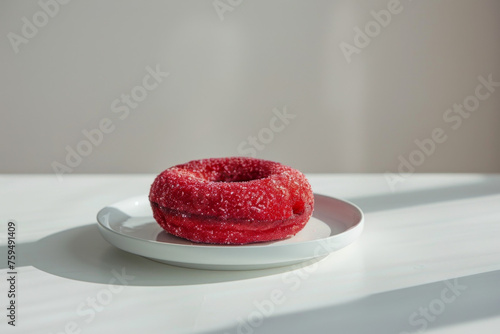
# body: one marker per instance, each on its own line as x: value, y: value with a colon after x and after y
x: 231, y: 200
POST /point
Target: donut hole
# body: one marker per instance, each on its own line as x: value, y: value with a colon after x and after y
x: 239, y: 176
x: 237, y: 170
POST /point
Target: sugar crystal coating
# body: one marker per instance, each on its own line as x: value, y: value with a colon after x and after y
x: 231, y: 200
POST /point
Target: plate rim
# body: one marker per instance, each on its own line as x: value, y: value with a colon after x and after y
x: 358, y: 225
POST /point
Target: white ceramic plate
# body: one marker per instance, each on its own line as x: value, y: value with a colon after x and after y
x: 129, y: 225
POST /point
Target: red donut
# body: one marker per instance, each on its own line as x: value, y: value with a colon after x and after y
x: 231, y: 200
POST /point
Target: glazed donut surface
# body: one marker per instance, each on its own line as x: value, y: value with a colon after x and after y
x: 231, y: 200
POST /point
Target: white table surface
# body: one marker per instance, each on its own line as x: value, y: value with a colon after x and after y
x: 431, y: 233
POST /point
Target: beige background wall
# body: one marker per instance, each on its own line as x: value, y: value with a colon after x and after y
x: 74, y: 71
